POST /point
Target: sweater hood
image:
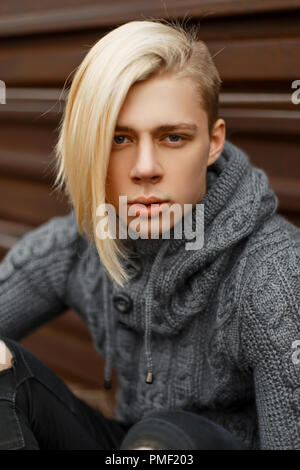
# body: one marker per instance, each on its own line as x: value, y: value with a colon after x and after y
x: 182, y: 281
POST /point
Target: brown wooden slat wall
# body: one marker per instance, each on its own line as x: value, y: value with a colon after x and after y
x: 256, y: 47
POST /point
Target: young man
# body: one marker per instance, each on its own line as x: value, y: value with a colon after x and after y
x: 204, y: 340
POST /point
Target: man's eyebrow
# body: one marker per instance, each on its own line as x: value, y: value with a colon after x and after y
x: 162, y: 128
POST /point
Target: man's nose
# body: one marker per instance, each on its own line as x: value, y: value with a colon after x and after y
x: 146, y: 166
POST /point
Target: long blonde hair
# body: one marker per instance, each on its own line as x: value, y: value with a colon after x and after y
x: 130, y: 53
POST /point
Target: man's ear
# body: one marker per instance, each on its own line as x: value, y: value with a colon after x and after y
x: 217, y: 141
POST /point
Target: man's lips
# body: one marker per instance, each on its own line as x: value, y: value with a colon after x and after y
x: 148, y: 200
x: 146, y: 210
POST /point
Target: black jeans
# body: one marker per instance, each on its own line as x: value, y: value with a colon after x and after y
x: 38, y: 411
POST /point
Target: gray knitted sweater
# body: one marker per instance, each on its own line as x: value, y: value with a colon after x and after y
x: 218, y: 327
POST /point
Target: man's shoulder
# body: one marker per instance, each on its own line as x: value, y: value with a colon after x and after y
x: 61, y: 230
x: 58, y: 234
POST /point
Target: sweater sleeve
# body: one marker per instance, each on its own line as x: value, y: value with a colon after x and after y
x: 33, y: 277
x: 270, y: 344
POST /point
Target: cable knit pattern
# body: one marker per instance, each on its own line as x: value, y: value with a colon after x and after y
x: 271, y: 313
x: 211, y: 330
x: 33, y: 277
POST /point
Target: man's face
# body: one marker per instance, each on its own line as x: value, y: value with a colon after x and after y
x: 169, y: 164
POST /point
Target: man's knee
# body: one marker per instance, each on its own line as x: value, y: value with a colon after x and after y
x: 5, y: 356
x: 144, y: 448
x: 136, y: 440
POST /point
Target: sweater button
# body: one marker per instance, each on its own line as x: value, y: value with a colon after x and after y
x: 134, y: 269
x: 122, y: 303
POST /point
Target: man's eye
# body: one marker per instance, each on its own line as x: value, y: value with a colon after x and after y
x: 119, y: 138
x: 176, y: 136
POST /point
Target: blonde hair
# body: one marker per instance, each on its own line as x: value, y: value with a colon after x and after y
x: 130, y: 53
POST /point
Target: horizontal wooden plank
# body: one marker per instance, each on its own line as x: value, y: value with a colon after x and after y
x: 257, y: 59
x: 293, y: 217
x: 48, y: 61
x: 272, y: 25
x: 33, y: 105
x: 20, y: 162
x: 28, y: 18
x: 277, y: 156
x: 265, y: 100
x: 35, y: 109
x: 31, y: 119
x: 262, y: 120
x: 51, y: 60
x: 288, y: 191
x: 44, y: 100
x: 26, y: 151
x: 29, y: 202
x: 10, y: 233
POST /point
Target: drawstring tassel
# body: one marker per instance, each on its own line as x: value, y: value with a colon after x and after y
x: 148, y: 308
x: 149, y: 378
x: 107, y: 384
